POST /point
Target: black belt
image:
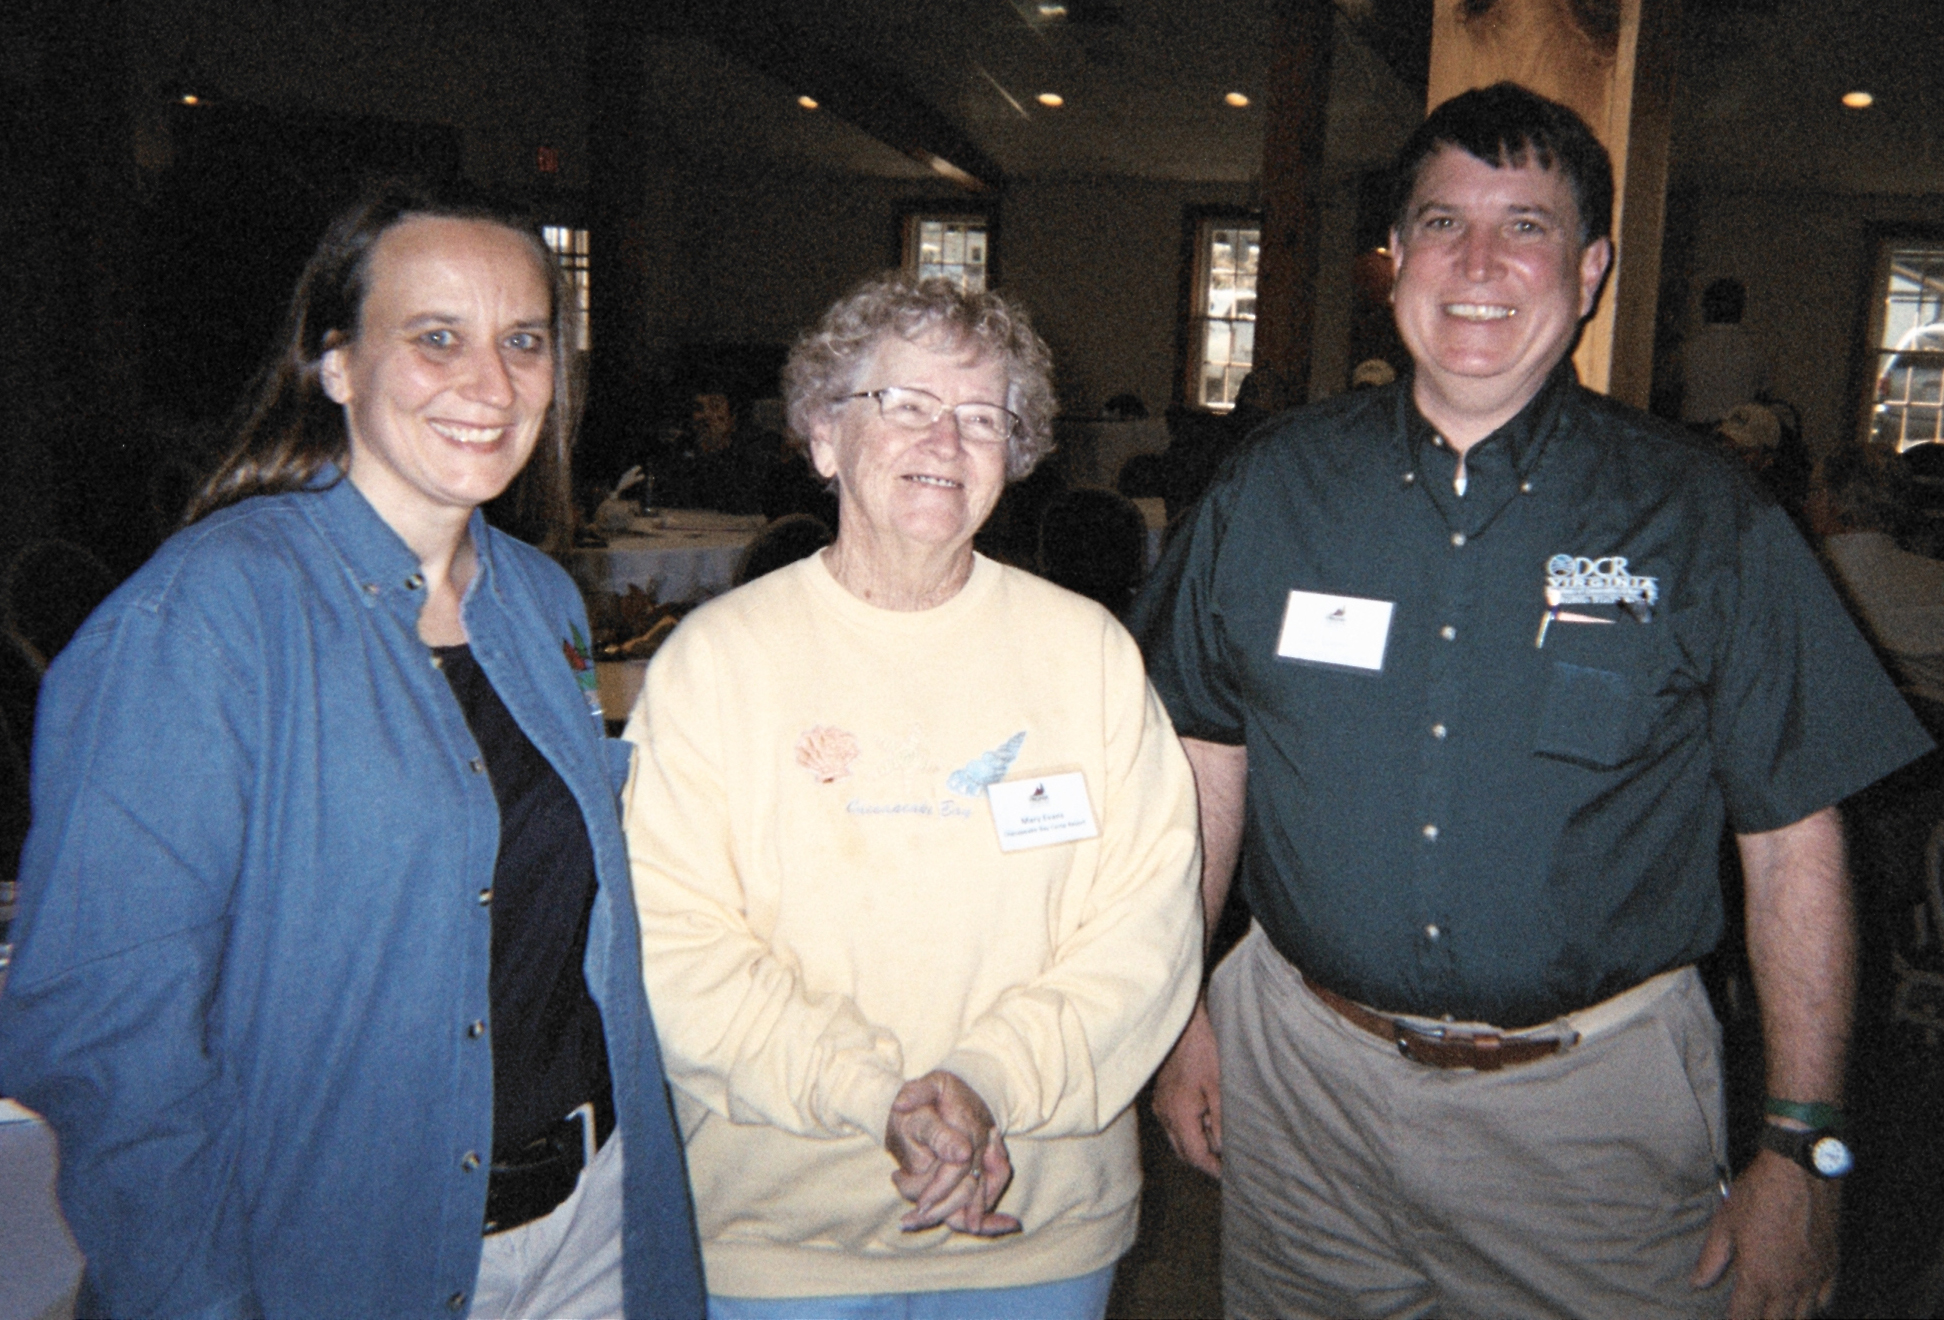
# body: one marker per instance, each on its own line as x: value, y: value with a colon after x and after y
x: 540, y: 1175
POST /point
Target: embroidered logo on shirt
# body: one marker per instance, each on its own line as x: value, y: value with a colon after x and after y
x: 827, y: 753
x: 970, y: 779
x: 1578, y: 580
x: 580, y: 659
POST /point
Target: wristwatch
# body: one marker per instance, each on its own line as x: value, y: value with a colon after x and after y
x: 1818, y: 1150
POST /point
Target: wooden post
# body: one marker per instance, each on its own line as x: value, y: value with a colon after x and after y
x: 1612, y: 61
x: 619, y: 152
x: 1292, y: 170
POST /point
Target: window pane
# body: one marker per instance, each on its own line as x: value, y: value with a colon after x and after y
x: 1907, y: 407
x: 1227, y: 299
x: 1216, y: 351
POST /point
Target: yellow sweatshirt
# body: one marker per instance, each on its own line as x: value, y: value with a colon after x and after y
x: 826, y: 913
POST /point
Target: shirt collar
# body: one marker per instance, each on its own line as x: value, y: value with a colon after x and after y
x: 1523, y: 438
x: 375, y: 556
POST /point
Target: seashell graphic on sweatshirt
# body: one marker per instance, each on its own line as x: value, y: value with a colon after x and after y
x: 826, y: 753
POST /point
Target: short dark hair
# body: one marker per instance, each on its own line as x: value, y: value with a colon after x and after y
x: 1506, y: 124
x: 1723, y: 300
x: 290, y: 430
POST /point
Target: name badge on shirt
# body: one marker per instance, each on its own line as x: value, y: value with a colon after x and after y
x: 1031, y: 813
x: 1348, y: 631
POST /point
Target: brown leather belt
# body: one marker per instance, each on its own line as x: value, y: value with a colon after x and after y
x: 1485, y: 1051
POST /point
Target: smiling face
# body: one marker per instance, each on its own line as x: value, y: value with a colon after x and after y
x: 447, y: 385
x: 908, y: 495
x: 1491, y: 285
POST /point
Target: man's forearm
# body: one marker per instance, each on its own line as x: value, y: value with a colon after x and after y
x: 1221, y: 780
x: 1802, y: 950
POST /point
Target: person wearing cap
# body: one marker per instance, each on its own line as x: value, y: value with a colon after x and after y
x: 1371, y: 373
x: 1471, y: 669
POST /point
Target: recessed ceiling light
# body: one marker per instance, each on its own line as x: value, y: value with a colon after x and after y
x: 190, y: 98
x: 1052, y: 13
x: 1858, y: 100
x: 807, y: 102
x: 1051, y: 100
x: 1236, y: 99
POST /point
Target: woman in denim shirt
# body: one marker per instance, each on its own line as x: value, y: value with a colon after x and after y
x: 328, y: 974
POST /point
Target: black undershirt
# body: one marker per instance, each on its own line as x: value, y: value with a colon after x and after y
x: 549, y: 1054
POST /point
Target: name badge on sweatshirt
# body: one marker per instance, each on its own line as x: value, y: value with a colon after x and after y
x: 1347, y: 631
x: 1031, y: 813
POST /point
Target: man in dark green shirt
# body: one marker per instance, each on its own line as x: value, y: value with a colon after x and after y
x: 1478, y: 664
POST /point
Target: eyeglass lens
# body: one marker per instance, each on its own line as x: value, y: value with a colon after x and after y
x: 917, y: 409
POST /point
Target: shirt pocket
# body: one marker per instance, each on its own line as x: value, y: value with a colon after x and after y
x: 1598, y: 708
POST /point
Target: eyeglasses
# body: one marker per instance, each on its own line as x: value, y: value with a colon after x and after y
x: 918, y: 410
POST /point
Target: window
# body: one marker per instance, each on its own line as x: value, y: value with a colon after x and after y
x: 955, y: 247
x: 1222, y: 329
x: 570, y: 245
x: 1906, y: 403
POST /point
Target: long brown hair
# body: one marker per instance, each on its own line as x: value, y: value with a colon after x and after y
x: 289, y: 430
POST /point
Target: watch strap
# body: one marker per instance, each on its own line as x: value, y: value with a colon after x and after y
x: 1800, y: 1146
x: 1811, y: 1113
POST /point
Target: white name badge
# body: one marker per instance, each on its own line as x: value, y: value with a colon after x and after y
x: 1349, y: 631
x: 1031, y: 813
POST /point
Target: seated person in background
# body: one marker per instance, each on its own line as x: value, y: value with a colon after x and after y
x: 1094, y: 542
x: 1857, y: 504
x: 905, y: 1039
x: 717, y: 464
x: 792, y: 537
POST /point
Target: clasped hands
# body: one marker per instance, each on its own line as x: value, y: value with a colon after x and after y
x: 952, y: 1161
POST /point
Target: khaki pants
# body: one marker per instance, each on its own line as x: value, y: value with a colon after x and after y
x: 1358, y: 1183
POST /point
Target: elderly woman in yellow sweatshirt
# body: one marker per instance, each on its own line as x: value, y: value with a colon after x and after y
x: 915, y: 855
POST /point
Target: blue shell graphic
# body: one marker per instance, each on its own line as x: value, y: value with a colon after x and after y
x: 970, y: 779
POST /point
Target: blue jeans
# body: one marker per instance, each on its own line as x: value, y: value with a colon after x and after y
x: 1084, y: 1298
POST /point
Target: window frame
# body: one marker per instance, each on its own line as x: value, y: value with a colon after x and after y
x: 578, y: 266
x: 1197, y: 223
x: 950, y: 211
x: 1869, y: 352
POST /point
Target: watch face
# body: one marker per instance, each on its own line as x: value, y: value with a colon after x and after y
x: 1831, y: 1157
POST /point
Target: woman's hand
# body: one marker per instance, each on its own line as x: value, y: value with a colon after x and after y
x: 952, y: 1162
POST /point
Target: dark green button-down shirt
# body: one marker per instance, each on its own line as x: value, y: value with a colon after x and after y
x: 1513, y: 811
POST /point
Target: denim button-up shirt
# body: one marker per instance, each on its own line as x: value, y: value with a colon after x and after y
x: 255, y: 924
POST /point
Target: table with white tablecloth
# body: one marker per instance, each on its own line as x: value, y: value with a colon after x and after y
x: 680, y: 554
x: 42, y: 1269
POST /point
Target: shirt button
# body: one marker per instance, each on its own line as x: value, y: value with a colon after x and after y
x: 1448, y: 632
x: 1432, y: 932
x: 414, y: 582
x: 371, y: 588
x: 1431, y: 832
x: 1438, y: 731
x: 438, y: 662
x: 1457, y: 538
x: 1525, y: 488
x: 469, y: 1161
x: 478, y: 765
x: 475, y: 1030
x: 1409, y: 477
x: 456, y: 1302
x: 485, y: 897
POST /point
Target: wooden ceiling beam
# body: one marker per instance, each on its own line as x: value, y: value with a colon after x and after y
x: 874, y: 99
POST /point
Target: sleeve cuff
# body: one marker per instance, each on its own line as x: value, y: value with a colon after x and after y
x: 985, y: 1076
x: 866, y: 1103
